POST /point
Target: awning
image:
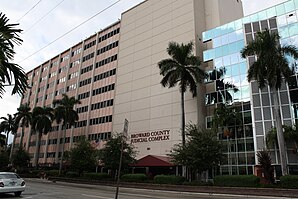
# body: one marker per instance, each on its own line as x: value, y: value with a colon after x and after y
x: 153, y: 161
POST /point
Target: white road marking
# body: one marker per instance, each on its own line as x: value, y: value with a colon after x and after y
x: 93, y: 196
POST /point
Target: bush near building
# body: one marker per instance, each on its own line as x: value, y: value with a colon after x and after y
x: 134, y: 178
x: 289, y: 181
x: 53, y: 173
x: 168, y: 179
x: 97, y: 176
x: 237, y: 181
x: 72, y: 174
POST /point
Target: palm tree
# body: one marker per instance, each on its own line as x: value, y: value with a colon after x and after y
x: 9, y: 36
x: 42, y: 124
x: 8, y: 125
x: 65, y: 112
x: 182, y: 69
x: 23, y: 118
x: 270, y: 68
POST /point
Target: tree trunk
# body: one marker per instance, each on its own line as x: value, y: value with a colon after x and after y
x: 280, y: 135
x: 37, y: 149
x: 12, y: 147
x: 184, y: 169
x: 6, y: 140
x: 62, y: 152
x: 22, y: 135
x: 182, y: 119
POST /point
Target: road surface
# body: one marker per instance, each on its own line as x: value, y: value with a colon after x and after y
x: 49, y: 190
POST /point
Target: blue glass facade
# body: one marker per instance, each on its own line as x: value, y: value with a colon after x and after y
x: 255, y: 105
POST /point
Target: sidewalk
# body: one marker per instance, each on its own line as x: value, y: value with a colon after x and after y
x: 290, y: 193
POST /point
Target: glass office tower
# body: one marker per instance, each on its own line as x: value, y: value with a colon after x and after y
x: 256, y: 106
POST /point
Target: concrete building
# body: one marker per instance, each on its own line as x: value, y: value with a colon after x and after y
x: 154, y: 112
x: 87, y: 72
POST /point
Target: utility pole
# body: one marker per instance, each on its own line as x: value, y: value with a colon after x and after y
x: 123, y: 136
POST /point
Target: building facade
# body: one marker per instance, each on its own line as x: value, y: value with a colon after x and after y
x: 225, y: 43
x: 86, y: 71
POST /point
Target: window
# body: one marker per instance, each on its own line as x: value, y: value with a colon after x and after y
x: 77, y: 51
x: 66, y: 57
x: 89, y: 45
x: 108, y: 47
x: 71, y: 87
x: 77, y: 62
x: 73, y: 75
x: 106, y: 61
x: 59, y: 92
x: 104, y: 75
x: 61, y: 80
x: 85, y: 82
x: 103, y: 89
x: 52, y: 74
x: 86, y: 69
x: 81, y: 124
x: 102, y: 104
x: 54, y: 63
x: 62, y: 69
x: 82, y: 109
x: 83, y: 95
x: 100, y: 136
x: 108, y: 35
x: 87, y: 57
x: 101, y: 120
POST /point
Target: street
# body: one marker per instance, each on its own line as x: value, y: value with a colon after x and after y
x: 49, y: 190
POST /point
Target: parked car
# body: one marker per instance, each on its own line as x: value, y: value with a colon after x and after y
x: 11, y: 183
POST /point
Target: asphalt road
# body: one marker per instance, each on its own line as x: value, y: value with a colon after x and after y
x: 49, y: 190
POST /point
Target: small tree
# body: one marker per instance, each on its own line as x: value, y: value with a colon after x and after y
x: 203, y: 150
x: 110, y: 154
x: 4, y: 160
x: 265, y: 162
x: 83, y: 156
x: 21, y: 158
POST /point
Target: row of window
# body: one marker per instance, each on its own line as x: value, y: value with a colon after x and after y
x: 108, y: 35
x: 62, y: 69
x: 74, y: 63
x: 104, y: 75
x: 86, y: 69
x: 77, y: 51
x: 85, y: 82
x: 89, y: 45
x: 103, y: 104
x: 83, y: 95
x: 87, y: 57
x: 66, y: 140
x: 108, y: 47
x: 103, y: 89
x: 73, y: 75
x: 106, y: 61
x: 52, y: 141
x: 71, y: 87
x: 101, y: 120
x: 66, y: 57
x: 81, y: 124
x: 54, y: 128
x: 51, y: 155
x: 82, y: 109
x: 100, y: 136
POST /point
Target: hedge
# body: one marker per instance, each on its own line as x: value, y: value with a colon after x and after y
x: 53, y: 173
x: 72, y: 174
x: 237, y: 181
x: 134, y: 178
x: 168, y: 179
x: 289, y: 181
x: 96, y: 176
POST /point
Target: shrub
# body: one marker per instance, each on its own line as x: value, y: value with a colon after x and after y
x: 237, y: 181
x: 53, y: 173
x: 134, y: 178
x: 72, y: 174
x: 198, y: 183
x: 96, y: 176
x: 289, y: 181
x: 168, y: 179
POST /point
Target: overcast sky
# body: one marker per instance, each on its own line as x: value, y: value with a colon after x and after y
x: 40, y: 30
